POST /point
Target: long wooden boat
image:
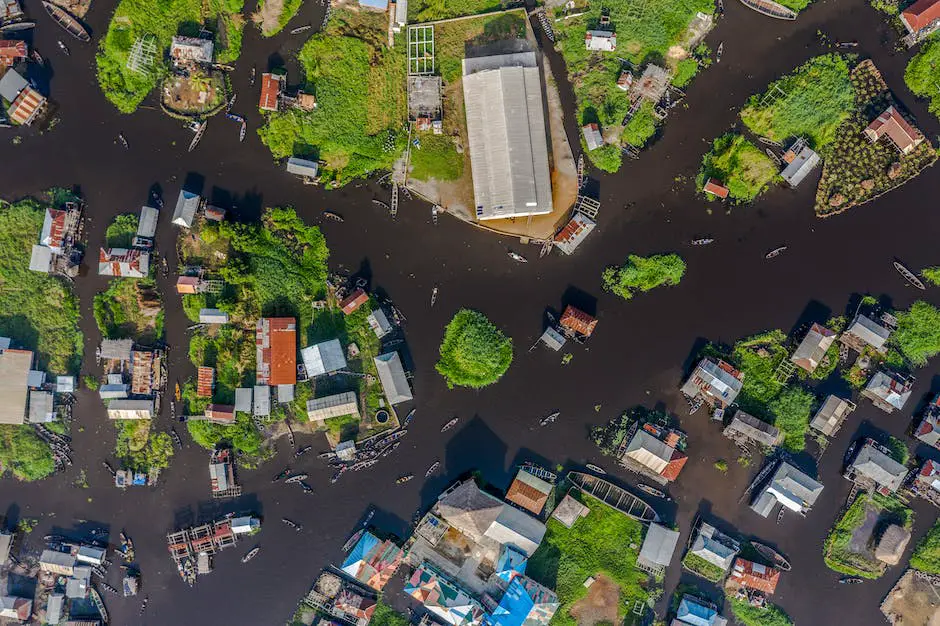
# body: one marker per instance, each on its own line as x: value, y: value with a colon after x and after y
x: 775, y: 252
x: 99, y: 604
x: 67, y: 21
x: 778, y: 560
x: 909, y: 276
x: 613, y: 496
x: 12, y: 27
x: 770, y: 9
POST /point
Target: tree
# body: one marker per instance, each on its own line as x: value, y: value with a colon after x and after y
x: 918, y: 333
x: 474, y: 352
x: 643, y: 274
x: 791, y: 411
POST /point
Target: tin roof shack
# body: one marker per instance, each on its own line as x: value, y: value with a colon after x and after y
x: 379, y: 323
x: 553, y: 339
x: 865, y: 332
x: 14, y: 373
x: 61, y: 563
x: 322, y: 358
x: 188, y: 284
x: 25, y: 102
x: 372, y: 561
x: 276, y: 351
x: 425, y: 98
x: 600, y: 40
x: 394, y: 381
x: 928, y: 430
x: 529, y: 492
x: 261, y: 405
x: 756, y: 576
x: 205, y: 381
x: 745, y: 428
x: 715, y: 383
x: 305, y: 168
x: 592, y: 136
x: 146, y: 227
x: 145, y: 372
x: 812, y: 350
x: 569, y: 511
x: 791, y: 488
x: 577, y: 324
x: 11, y: 51
x: 212, y: 316
x: 711, y: 547
x: 697, y: 612
x: 187, y: 204
x: 336, y: 405
x: 272, y: 87
x: 926, y: 483
x: 448, y: 602
x: 55, y: 608
x: 189, y: 51
x: 574, y: 232
x: 654, y: 451
x: 123, y: 262
x: 652, y: 84
x: 222, y: 474
x: 889, y: 391
x: 118, y: 351
x: 657, y: 550
x: 507, y: 136
x: 831, y: 414
x: 873, y: 467
x: 41, y: 407
x: 714, y: 187
x: 351, y: 303
x: 892, y: 544
x: 920, y: 19
x: 130, y: 409
x: 800, y: 160
x: 13, y: 607
x: 892, y: 125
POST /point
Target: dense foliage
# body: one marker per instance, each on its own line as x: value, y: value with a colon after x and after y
x: 119, y: 314
x: 241, y: 436
x: 120, y: 232
x: 430, y: 10
x: 605, y: 542
x: 769, y: 615
x: 926, y: 556
x: 918, y: 333
x: 474, y: 353
x: 811, y: 102
x: 23, y: 453
x: 610, y: 436
x: 359, y: 81
x: 922, y: 72
x: 739, y: 165
x: 791, y: 411
x: 140, y: 450
x: 931, y: 275
x: 641, y: 127
x: 37, y: 311
x: 162, y: 20
x: 641, y: 274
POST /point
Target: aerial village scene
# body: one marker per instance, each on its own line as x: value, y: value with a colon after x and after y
x: 285, y: 337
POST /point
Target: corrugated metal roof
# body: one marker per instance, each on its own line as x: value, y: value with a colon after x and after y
x: 186, y: 205
x: 11, y: 84
x: 800, y: 167
x: 40, y: 259
x: 205, y: 380
x: 261, y: 406
x: 320, y: 409
x: 323, y: 358
x: 276, y: 351
x: 302, y: 167
x: 658, y: 545
x: 392, y: 374
x: 243, y: 399
x: 147, y: 225
x: 574, y: 232
x: 14, y: 372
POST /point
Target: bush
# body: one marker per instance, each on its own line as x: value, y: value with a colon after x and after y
x: 931, y: 275
x: 641, y: 127
x: 769, y: 615
x: 607, y: 158
x: 922, y: 71
x: 474, y: 352
x: 740, y: 165
x: 91, y: 382
x: 121, y: 232
x: 721, y: 465
x: 926, y: 556
x: 791, y: 411
x: 686, y: 70
x: 918, y: 333
x: 24, y: 454
x: 641, y: 274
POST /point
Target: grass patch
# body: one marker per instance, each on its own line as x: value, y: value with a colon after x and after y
x: 120, y: 232
x: 641, y: 127
x: 359, y: 82
x: 697, y: 565
x: 740, y: 165
x: 642, y: 274
x: 474, y: 353
x: 811, y: 102
x: 289, y: 9
x: 769, y: 615
x: 437, y: 158
x: 132, y: 19
x: 918, y: 333
x: 37, y: 311
x: 757, y: 357
x: 791, y: 411
x: 452, y: 39
x: 24, y: 454
x: 854, y: 556
x: 605, y: 542
x: 926, y: 556
x: 120, y: 314
x: 430, y: 10
x: 922, y: 71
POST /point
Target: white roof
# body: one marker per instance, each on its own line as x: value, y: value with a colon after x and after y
x: 517, y: 529
x: 244, y: 524
x: 186, y: 206
x: 302, y: 167
x: 392, y: 375
x: 147, y: 225
x: 130, y: 409
x: 800, y: 167
x: 243, y: 399
x: 11, y: 84
x: 41, y: 409
x: 41, y: 259
x: 320, y: 409
x: 213, y: 316
x: 285, y: 393
x: 323, y: 358
x: 262, y: 401
x: 90, y: 554
x: 65, y: 384
x: 507, y: 137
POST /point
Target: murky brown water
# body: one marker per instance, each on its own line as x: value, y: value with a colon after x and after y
x: 637, y: 357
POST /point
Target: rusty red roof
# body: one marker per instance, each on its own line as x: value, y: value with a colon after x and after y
x: 714, y: 187
x: 270, y: 91
x: 204, y: 381
x: 353, y: 301
x: 921, y: 14
x: 220, y: 413
x: 755, y: 576
x: 578, y: 321
x: 276, y: 351
x: 675, y: 465
x: 10, y: 50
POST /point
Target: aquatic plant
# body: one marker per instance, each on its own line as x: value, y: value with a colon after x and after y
x: 474, y: 353
x: 918, y: 333
x: 768, y: 615
x: 641, y: 274
x: 739, y: 165
x: 922, y: 72
x: 721, y: 465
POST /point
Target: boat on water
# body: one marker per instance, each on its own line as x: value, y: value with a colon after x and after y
x: 432, y: 469
x: 281, y: 475
x: 403, y: 479
x: 336, y: 217
x: 37, y: 57
x: 515, y: 256
x: 231, y: 103
x: 390, y: 449
x: 721, y: 48
x: 770, y: 9
x: 176, y: 438
x: 353, y: 540
x: 433, y: 296
x: 67, y: 21
x: 199, y: 128
x: 408, y: 418
x: 292, y: 524
x: 549, y: 419
x: 595, y: 468
x: 177, y: 392
x: 909, y: 276
x: 99, y: 604
x: 302, y: 451
x: 251, y: 554
x: 778, y: 560
x: 296, y: 478
x: 251, y: 77
x: 307, y: 489
x: 109, y: 588
x: 243, y: 131
x: 721, y: 7
x: 652, y: 491
x: 775, y: 252
x: 64, y: 48
x: 449, y: 425
x: 327, y: 455
x: 13, y: 27
x: 301, y: 29
x: 850, y: 580
x: 613, y: 496
x: 123, y: 140
x: 846, y: 44
x: 702, y: 242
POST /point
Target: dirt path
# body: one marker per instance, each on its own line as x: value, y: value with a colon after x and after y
x: 599, y: 605
x: 268, y: 15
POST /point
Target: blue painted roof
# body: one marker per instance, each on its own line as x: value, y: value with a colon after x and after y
x: 514, y: 607
x: 374, y: 4
x: 361, y: 550
x: 691, y: 612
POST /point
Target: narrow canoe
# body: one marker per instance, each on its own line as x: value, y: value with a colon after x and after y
x: 67, y: 21
x: 770, y: 9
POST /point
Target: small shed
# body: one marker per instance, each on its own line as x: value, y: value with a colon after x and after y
x: 592, y: 136
x: 272, y: 86
x: 714, y: 187
x: 392, y: 375
x: 831, y: 414
x: 353, y: 301
x: 116, y: 349
x: 569, y: 511
x: 577, y: 321
x: 188, y: 285
x: 302, y: 167
x: 325, y: 357
x: 220, y: 413
x: 65, y: 384
x: 379, y: 323
x: 285, y: 393
x: 262, y: 401
x: 529, y: 492
x: 243, y: 399
x: 113, y: 391
x: 40, y: 259
x: 186, y: 206
x: 800, y: 160
x: 574, y: 232
x: 214, y: 213
x: 147, y: 224
x: 212, y: 316
x: 658, y: 547
x: 320, y: 409
x: 130, y: 409
x: 812, y: 350
x: 600, y: 40
x: 41, y: 410
x: 345, y: 450
x: 553, y: 339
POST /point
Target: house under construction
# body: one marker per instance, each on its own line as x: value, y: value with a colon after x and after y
x: 192, y: 548
x: 222, y: 475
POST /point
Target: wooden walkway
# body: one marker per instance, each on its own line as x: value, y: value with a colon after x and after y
x: 613, y: 496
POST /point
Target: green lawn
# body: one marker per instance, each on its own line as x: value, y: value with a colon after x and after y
x: 926, y: 556
x: 696, y: 564
x: 739, y: 165
x: 163, y: 20
x: 358, y: 125
x: 837, y: 552
x: 437, y: 158
x: 811, y: 102
x: 922, y: 72
x: 642, y: 274
x: 430, y: 10
x: 37, y: 311
x: 605, y: 542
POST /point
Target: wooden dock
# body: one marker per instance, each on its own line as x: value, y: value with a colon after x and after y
x: 613, y: 496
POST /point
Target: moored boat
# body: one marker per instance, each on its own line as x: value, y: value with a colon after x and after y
x: 292, y: 524
x: 850, y: 580
x: 432, y: 469
x: 251, y: 554
x: 302, y: 451
x: 433, y: 296
x: 909, y: 276
x: 652, y: 491
x: 702, y: 242
x: 176, y: 438
x: 330, y: 215
x: 721, y: 48
x: 301, y: 29
x: 595, y: 468
x: 281, y: 475
x: 770, y: 9
x: 449, y: 425
x: 99, y: 604
x: 403, y: 479
x: 408, y: 418
x: 13, y: 27
x: 549, y: 419
x: 353, y: 540
x: 67, y: 21
x: 296, y: 478
x: 613, y: 496
x: 775, y: 252
x: 199, y: 128
x: 777, y: 559
x: 515, y: 256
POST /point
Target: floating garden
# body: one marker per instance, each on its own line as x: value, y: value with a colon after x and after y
x: 641, y: 274
x: 926, y: 556
x: 849, y: 547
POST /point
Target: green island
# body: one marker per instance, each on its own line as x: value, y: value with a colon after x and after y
x: 605, y: 545
x: 848, y: 548
x: 748, y: 615
x: 659, y: 36
x: 641, y: 274
x: 697, y: 565
x: 474, y: 352
x: 273, y: 15
x: 926, y: 556
x: 742, y: 167
x: 922, y: 70
x: 156, y: 24
x: 40, y: 314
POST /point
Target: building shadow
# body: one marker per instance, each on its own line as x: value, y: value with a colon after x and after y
x: 580, y: 300
x: 815, y: 312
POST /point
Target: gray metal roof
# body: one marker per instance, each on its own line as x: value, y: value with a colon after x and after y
x: 40, y: 407
x: 753, y: 428
x: 243, y: 399
x: 507, y: 137
x: 130, y: 409
x: 659, y: 545
x: 872, y: 463
x: 186, y: 206
x: 59, y: 559
x: 116, y: 349
x: 888, y: 389
x: 302, y: 167
x: 789, y: 483
x: 323, y: 358
x: 800, y: 166
x: 379, y: 323
x: 11, y: 84
x: 392, y: 375
x: 869, y: 331
x: 320, y: 409
x: 714, y: 546
x: 54, y: 608
x: 710, y: 380
x: 285, y: 393
x: 813, y: 348
x: 592, y: 136
x: 219, y: 473
x: 14, y: 372
x: 147, y: 225
x: 6, y: 541
x: 40, y: 259
x: 648, y: 450
x: 262, y: 401
x: 213, y: 316
x: 831, y: 414
x: 553, y: 339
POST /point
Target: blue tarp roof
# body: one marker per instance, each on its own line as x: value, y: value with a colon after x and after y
x: 511, y: 561
x: 361, y: 550
x: 514, y: 608
x: 691, y: 612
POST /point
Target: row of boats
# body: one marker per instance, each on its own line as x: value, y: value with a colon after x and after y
x: 16, y: 21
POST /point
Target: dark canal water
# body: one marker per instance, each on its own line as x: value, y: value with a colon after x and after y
x: 638, y: 356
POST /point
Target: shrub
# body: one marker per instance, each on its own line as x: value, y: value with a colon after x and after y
x: 791, y: 411
x: 686, y: 70
x: 926, y: 556
x: 918, y: 333
x: 474, y: 352
x: 24, y: 454
x: 641, y: 274
x: 931, y: 275
x: 922, y: 71
x: 769, y: 615
x: 606, y: 158
x: 641, y: 127
x: 120, y: 232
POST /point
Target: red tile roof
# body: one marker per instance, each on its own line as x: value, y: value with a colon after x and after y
x: 276, y: 347
x: 355, y: 300
x: 675, y: 465
x: 921, y: 14
x: 755, y: 576
x: 578, y: 321
x: 271, y: 85
x: 714, y: 187
x: 892, y: 124
x: 204, y: 381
